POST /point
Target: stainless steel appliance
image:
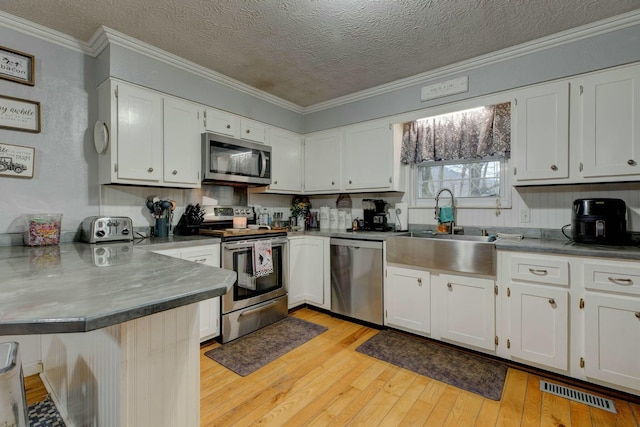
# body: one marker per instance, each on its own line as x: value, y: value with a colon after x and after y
x: 97, y: 229
x: 232, y: 161
x: 253, y: 301
x: 601, y: 221
x: 356, y: 279
x: 375, y: 215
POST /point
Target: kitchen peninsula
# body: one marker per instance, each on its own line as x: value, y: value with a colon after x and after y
x: 119, y: 325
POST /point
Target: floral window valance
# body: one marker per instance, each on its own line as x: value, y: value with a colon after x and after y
x: 474, y: 134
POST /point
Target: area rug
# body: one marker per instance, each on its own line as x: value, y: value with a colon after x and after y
x: 44, y: 414
x: 443, y: 363
x: 251, y: 352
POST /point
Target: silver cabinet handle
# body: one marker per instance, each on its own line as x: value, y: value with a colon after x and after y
x: 554, y: 168
x: 199, y: 261
x: 419, y: 282
x: 333, y: 183
x: 620, y: 281
x: 175, y: 172
x: 248, y: 130
x: 552, y: 301
x: 631, y: 162
x: 538, y: 271
x: 228, y: 126
x: 449, y: 286
x: 638, y: 315
x: 150, y: 170
x: 275, y: 182
x: 350, y: 182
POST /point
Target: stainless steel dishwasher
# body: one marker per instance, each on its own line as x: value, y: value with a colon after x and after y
x: 356, y: 279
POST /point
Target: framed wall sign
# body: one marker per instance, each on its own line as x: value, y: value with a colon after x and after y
x: 19, y: 114
x: 16, y: 160
x: 16, y: 66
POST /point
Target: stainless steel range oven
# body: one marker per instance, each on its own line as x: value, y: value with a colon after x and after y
x: 256, y: 299
x: 253, y: 302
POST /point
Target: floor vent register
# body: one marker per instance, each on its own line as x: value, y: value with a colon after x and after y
x: 578, y: 396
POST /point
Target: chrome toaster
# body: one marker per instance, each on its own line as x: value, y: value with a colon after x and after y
x: 97, y: 229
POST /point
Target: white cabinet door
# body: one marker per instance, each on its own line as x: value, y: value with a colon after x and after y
x: 322, y: 161
x: 286, y: 161
x: 539, y: 324
x: 368, y: 156
x: 541, y: 128
x: 209, y: 309
x: 612, y: 339
x: 182, y: 147
x: 222, y: 122
x: 140, y: 137
x: 610, y: 117
x: 308, y: 271
x: 253, y: 131
x: 407, y: 300
x: 468, y: 310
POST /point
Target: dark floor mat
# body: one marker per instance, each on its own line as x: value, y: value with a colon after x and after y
x: 459, y: 368
x: 251, y: 352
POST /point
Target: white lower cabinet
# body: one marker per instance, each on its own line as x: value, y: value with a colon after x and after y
x: 407, y: 300
x: 309, y: 275
x: 467, y: 307
x: 539, y: 324
x: 209, y: 309
x: 612, y: 339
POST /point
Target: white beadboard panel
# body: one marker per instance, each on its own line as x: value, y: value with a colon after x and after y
x: 145, y: 372
x: 82, y: 372
x: 161, y: 369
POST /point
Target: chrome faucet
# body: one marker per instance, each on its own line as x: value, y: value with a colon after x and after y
x: 453, y: 207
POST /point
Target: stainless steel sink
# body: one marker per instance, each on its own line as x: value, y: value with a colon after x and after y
x: 465, y: 237
x: 445, y: 252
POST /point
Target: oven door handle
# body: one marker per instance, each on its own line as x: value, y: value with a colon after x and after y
x: 231, y: 246
x: 259, y: 308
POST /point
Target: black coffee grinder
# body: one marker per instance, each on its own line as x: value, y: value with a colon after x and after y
x: 375, y: 214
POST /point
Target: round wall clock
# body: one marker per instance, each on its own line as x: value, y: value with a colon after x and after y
x: 100, y: 137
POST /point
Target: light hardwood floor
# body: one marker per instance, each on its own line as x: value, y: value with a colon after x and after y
x: 326, y: 382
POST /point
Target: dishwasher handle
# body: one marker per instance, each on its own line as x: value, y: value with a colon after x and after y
x: 356, y: 244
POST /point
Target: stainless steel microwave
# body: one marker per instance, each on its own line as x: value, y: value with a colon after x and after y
x: 233, y: 161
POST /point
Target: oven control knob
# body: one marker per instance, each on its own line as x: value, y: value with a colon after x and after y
x: 125, y: 231
x: 237, y: 211
x: 100, y: 233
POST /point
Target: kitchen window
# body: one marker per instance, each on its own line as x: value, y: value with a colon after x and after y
x: 474, y: 183
x: 465, y: 151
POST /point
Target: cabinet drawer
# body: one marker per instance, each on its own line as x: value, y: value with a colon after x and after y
x: 221, y: 122
x: 253, y: 131
x: 612, y: 278
x: 540, y: 269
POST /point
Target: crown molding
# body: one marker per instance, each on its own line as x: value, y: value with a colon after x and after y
x: 13, y: 22
x: 569, y: 36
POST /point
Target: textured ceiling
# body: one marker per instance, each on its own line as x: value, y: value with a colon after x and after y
x: 310, y: 51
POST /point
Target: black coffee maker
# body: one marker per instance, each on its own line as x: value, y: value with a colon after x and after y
x: 375, y: 214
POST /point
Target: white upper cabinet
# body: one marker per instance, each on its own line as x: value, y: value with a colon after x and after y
x: 253, y: 131
x: 541, y: 128
x: 368, y: 157
x: 322, y: 164
x: 138, y: 134
x: 610, y: 103
x: 222, y: 122
x: 182, y: 148
x: 154, y: 139
x: 286, y: 161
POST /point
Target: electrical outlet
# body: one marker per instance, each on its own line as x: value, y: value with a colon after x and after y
x: 525, y: 215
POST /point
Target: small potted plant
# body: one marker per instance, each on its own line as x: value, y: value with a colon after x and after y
x: 300, y: 207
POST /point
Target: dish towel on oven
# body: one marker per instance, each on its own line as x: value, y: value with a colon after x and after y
x: 262, y: 260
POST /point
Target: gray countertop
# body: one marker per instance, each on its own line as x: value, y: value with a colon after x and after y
x: 358, y: 235
x: 77, y: 287
x: 567, y: 247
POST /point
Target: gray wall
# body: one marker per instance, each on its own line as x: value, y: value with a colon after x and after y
x: 65, y: 169
x: 593, y: 53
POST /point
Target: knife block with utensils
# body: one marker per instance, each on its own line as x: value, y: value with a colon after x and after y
x: 189, y: 223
